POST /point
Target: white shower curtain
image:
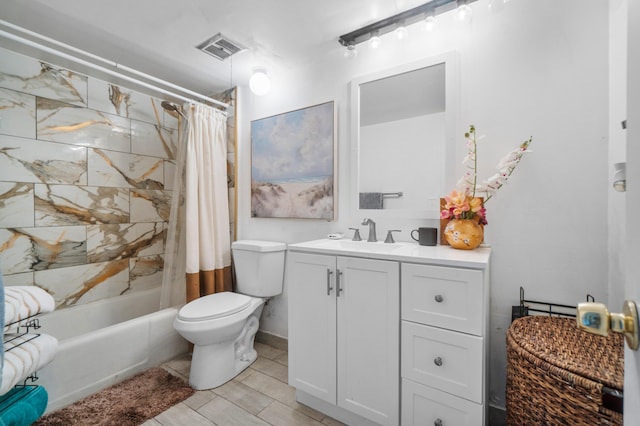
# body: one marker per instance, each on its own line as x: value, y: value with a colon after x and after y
x: 198, y: 250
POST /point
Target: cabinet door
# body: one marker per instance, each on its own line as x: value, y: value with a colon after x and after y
x: 451, y: 298
x: 368, y: 338
x: 312, y: 324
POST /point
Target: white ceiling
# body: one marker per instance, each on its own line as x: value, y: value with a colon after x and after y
x: 158, y: 37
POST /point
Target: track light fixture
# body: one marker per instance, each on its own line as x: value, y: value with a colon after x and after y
x: 430, y: 22
x: 403, y: 19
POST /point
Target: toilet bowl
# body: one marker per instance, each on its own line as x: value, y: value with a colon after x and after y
x: 222, y: 326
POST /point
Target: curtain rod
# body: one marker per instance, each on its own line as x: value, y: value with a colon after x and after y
x: 100, y: 68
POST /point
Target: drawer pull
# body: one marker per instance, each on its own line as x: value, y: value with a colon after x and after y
x: 329, y: 288
x: 439, y: 298
x: 437, y: 361
x: 438, y: 422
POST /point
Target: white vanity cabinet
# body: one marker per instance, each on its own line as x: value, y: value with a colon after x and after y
x: 344, y: 320
x: 444, y: 345
x: 389, y: 334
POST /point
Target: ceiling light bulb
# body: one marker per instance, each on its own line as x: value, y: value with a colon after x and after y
x: 464, y: 13
x: 375, y: 42
x: 260, y: 83
x: 401, y: 33
x: 430, y: 23
x: 350, y: 52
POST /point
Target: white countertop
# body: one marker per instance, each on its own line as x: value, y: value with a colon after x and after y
x: 399, y: 251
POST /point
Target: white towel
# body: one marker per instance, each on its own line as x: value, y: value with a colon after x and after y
x: 34, y: 352
x: 23, y: 301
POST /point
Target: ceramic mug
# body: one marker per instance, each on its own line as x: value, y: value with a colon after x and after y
x: 426, y: 236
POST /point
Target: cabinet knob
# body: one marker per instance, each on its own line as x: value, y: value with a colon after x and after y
x: 439, y: 298
x: 438, y: 422
x: 437, y: 361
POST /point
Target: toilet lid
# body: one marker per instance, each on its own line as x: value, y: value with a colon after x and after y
x: 216, y: 305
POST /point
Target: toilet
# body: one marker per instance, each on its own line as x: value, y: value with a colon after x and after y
x: 222, y: 326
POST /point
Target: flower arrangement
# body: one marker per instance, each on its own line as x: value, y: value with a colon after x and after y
x: 468, y: 199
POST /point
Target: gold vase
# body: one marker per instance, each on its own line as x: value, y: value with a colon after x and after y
x: 464, y: 234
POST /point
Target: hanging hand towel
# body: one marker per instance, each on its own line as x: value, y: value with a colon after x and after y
x: 371, y: 200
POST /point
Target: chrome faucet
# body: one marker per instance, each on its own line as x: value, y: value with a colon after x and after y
x: 372, y: 230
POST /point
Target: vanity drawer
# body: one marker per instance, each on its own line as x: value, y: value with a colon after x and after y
x: 443, y: 359
x: 450, y: 298
x: 425, y: 406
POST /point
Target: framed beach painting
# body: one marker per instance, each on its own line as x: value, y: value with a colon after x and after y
x: 293, y: 164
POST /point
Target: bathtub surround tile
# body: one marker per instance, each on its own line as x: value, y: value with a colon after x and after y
x: 153, y: 140
x: 72, y: 150
x: 169, y: 174
x: 145, y: 272
x: 28, y: 75
x: 38, y: 249
x: 73, y: 205
x: 122, y: 241
x: 28, y: 160
x: 60, y: 122
x: 25, y: 278
x: 150, y: 206
x: 16, y: 204
x: 17, y: 114
x: 117, y: 169
x: 109, y: 98
x: 125, y: 102
x: 85, y: 283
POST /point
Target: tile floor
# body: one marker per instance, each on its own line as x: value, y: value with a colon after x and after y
x: 258, y: 396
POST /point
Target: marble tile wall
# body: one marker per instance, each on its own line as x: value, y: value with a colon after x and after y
x: 86, y: 172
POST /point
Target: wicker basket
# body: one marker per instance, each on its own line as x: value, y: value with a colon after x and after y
x: 556, y: 373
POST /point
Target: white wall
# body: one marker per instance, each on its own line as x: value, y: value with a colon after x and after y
x: 534, y: 68
x: 617, y: 147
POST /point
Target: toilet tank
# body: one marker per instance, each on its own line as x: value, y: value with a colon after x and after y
x: 259, y: 267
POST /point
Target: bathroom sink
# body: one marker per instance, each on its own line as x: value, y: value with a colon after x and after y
x: 361, y: 246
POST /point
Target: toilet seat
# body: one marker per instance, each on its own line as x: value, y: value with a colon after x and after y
x: 213, y: 306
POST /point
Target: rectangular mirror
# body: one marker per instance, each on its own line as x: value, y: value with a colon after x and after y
x: 403, y: 138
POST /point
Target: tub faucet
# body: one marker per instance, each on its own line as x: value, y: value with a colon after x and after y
x: 372, y: 230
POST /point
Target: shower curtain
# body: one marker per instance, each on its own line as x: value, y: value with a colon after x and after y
x: 198, y: 249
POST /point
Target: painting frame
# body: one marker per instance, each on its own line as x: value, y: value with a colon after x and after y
x: 293, y: 164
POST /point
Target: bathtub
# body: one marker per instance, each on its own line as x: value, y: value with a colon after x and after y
x: 105, y: 342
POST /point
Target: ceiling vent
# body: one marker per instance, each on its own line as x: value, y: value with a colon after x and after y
x: 220, y: 47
